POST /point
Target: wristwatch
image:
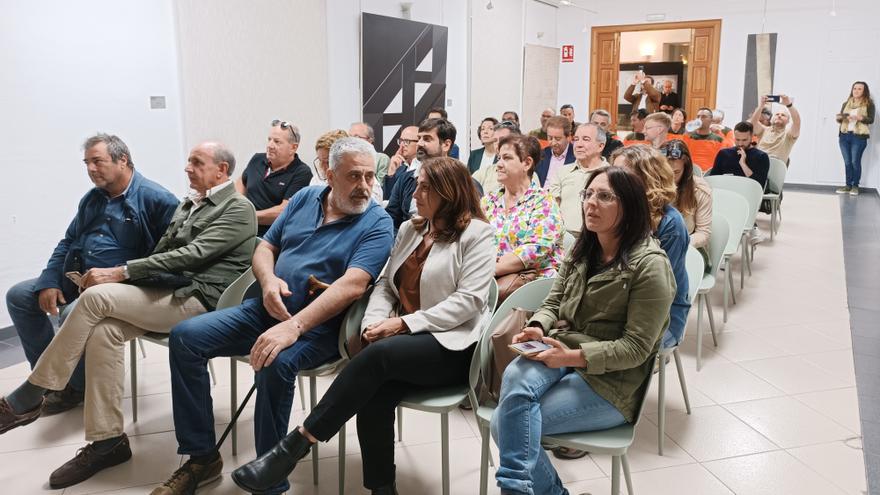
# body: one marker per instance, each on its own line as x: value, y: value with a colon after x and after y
x: 789, y: 105
x: 125, y: 275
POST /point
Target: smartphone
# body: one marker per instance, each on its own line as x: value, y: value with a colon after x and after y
x: 529, y: 347
x: 773, y: 98
x: 75, y: 277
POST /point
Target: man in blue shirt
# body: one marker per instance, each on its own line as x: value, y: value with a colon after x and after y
x: 336, y: 234
x: 120, y: 219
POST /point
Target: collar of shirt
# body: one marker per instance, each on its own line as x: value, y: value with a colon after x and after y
x: 197, y: 198
x: 269, y: 170
x: 415, y: 166
x: 123, y: 193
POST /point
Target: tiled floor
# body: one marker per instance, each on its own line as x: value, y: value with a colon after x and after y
x: 775, y: 407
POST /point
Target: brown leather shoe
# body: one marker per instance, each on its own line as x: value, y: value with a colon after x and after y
x: 10, y: 420
x: 189, y: 477
x: 88, y: 462
x: 64, y: 400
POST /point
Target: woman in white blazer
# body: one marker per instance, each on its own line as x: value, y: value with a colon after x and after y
x: 421, y: 326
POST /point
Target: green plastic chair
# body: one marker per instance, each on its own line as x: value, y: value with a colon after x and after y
x: 697, y: 170
x: 717, y: 243
x: 695, y: 268
x: 749, y: 189
x: 775, y: 181
x: 735, y: 210
x: 568, y: 242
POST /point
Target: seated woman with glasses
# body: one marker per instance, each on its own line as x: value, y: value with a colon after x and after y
x: 527, y: 220
x: 421, y: 325
x: 602, y: 320
x: 693, y: 194
x: 666, y: 223
x: 322, y: 162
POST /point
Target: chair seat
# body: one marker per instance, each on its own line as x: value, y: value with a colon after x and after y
x: 436, y: 400
x: 771, y: 195
x: 485, y: 413
x: 612, y: 442
x: 325, y: 369
x: 156, y: 338
x: 707, y: 284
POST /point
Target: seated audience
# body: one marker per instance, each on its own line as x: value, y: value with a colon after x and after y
x: 602, y: 119
x: 440, y: 113
x: 592, y: 377
x: 510, y: 116
x: 566, y: 187
x: 322, y: 162
x: 541, y: 132
x: 101, y: 235
x: 207, y: 246
x: 489, y: 152
x: 657, y: 129
x: 487, y: 175
x: 667, y: 224
x: 420, y: 329
x: 743, y: 159
x: 365, y: 131
x: 567, y: 111
x: 693, y: 195
x: 333, y: 234
x: 778, y: 138
x: 703, y: 143
x: 669, y: 99
x: 637, y: 120
x: 558, y: 153
x: 271, y: 178
x: 404, y: 158
x: 679, y: 120
x: 641, y: 93
x: 527, y: 222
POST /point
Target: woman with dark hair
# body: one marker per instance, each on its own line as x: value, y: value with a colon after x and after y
x: 667, y: 225
x: 485, y: 156
x: 693, y: 194
x: 856, y: 114
x: 527, y: 221
x: 603, y: 319
x: 679, y: 119
x: 420, y: 327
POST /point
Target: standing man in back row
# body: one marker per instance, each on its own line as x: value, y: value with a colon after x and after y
x: 271, y: 178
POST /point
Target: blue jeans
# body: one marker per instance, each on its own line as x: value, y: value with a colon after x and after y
x: 35, y: 329
x: 852, y: 147
x: 535, y: 401
x: 232, y: 332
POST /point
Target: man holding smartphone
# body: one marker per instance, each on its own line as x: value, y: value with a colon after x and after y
x: 642, y: 93
x: 120, y: 219
x: 779, y: 137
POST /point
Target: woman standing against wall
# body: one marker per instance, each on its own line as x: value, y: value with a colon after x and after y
x: 856, y: 114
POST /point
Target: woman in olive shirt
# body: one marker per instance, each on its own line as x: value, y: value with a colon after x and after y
x: 603, y: 318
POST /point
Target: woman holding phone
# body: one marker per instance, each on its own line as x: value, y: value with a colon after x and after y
x: 856, y: 114
x: 603, y: 319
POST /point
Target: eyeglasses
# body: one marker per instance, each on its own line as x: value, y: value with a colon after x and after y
x: 319, y: 168
x: 405, y: 142
x: 652, y: 127
x: 604, y: 197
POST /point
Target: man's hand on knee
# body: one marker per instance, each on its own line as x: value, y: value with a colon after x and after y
x: 49, y: 299
x: 272, y: 342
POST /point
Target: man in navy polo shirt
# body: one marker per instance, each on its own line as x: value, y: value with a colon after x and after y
x: 272, y: 178
x: 335, y: 233
x: 120, y: 219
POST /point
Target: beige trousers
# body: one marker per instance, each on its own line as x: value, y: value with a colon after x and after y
x: 105, y: 317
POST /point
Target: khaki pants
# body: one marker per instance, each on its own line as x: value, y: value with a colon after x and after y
x: 106, y: 316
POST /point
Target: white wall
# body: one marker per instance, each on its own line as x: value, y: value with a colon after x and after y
x: 631, y: 43
x: 817, y: 59
x: 70, y: 69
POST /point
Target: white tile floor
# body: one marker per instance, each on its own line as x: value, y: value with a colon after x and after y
x: 775, y: 406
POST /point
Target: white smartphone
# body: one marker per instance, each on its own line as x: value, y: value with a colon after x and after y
x: 529, y: 347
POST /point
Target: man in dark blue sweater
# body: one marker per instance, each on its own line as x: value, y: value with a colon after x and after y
x: 743, y: 159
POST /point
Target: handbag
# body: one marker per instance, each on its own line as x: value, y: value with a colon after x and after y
x: 507, y: 284
x: 501, y: 338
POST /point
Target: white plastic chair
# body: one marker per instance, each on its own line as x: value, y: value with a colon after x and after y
x: 717, y: 243
x: 735, y: 209
x: 749, y: 189
x: 775, y: 182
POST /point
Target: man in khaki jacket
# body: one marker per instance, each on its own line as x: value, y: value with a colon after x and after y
x: 208, y: 244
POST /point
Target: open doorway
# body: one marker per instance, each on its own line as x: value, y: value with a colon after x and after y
x: 678, y: 57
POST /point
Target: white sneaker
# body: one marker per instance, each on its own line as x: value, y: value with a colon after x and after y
x: 756, y: 236
x: 854, y: 191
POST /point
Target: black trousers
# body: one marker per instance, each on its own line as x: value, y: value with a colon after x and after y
x: 373, y: 384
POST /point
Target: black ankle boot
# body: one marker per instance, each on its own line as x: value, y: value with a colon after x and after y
x: 274, y: 466
x: 386, y: 490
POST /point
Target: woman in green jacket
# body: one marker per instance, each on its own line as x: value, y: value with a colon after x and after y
x: 603, y: 319
x: 856, y: 114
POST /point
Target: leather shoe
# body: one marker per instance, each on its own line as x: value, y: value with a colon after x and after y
x: 59, y: 401
x: 88, y: 462
x: 385, y: 490
x: 274, y: 466
x: 10, y: 420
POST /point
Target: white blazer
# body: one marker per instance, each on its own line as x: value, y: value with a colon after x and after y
x: 453, y: 289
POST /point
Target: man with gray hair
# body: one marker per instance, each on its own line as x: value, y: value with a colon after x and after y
x: 602, y: 118
x: 271, y: 178
x: 588, y: 142
x: 207, y: 245
x: 121, y: 218
x: 365, y: 131
x: 322, y: 253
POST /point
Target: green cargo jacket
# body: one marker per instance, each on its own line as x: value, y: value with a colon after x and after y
x: 213, y: 247
x: 616, y: 320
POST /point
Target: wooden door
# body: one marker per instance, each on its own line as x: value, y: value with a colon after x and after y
x: 603, y: 80
x: 702, y: 69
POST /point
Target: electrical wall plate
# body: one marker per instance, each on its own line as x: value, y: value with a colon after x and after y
x: 157, y: 102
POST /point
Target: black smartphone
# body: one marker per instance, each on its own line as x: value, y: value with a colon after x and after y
x: 773, y: 98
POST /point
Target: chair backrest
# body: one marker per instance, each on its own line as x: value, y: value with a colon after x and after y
x: 235, y: 293
x: 718, y: 241
x: 568, y: 241
x: 351, y: 323
x: 695, y: 267
x: 697, y: 170
x: 493, y: 296
x: 776, y: 176
x: 748, y: 188
x: 735, y: 209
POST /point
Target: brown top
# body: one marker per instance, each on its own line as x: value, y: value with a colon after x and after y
x: 408, y: 277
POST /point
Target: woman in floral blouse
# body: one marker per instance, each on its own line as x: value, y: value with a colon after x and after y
x: 526, y: 218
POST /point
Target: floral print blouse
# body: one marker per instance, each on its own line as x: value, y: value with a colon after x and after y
x: 531, y: 229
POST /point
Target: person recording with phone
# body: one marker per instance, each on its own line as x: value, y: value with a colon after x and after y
x: 603, y: 319
x: 778, y: 138
x: 641, y: 93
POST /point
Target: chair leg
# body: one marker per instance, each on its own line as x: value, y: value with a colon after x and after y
x: 732, y: 290
x: 744, y: 260
x: 700, y: 298
x: 444, y: 461
x: 484, y: 456
x: 399, y: 424
x: 212, y: 372
x: 313, y: 396
x: 772, y: 219
x: 629, y: 483
x: 132, y: 351
x: 726, y: 290
x: 233, y: 401
x: 661, y: 404
x: 302, y: 393
x: 342, y: 460
x: 711, y: 320
x: 615, y: 475
x: 684, y: 389
x: 141, y: 346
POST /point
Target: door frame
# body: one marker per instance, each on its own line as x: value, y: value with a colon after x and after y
x: 714, y: 53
